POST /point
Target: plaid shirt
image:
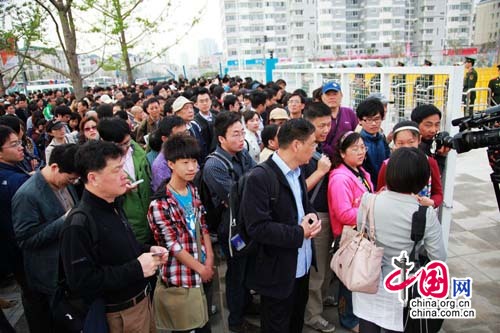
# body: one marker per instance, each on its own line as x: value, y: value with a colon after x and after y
x: 168, y: 224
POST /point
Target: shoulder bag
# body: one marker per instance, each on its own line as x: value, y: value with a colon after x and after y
x: 358, y: 261
x: 179, y: 308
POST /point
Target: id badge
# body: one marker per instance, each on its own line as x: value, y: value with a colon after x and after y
x: 237, y: 242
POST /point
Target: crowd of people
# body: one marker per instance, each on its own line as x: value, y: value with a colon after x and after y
x: 106, y: 192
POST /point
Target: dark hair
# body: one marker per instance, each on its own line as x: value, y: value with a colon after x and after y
x: 104, y: 111
x: 64, y: 157
x: 217, y: 92
x: 121, y: 114
x: 248, y: 115
x: 229, y: 100
x: 423, y: 111
x: 300, y: 92
x: 11, y: 121
x: 278, y: 81
x: 5, y: 132
x: 316, y: 94
x: 294, y: 129
x: 93, y: 156
x: 268, y: 133
x: 62, y: 110
x: 346, y: 140
x: 75, y: 115
x: 113, y: 129
x: 408, y: 170
x: 258, y: 98
x: 154, y: 141
x: 316, y: 110
x: 84, y: 102
x: 148, y: 102
x: 167, y: 124
x: 370, y: 107
x: 181, y: 146
x: 223, y: 121
x: 405, y: 123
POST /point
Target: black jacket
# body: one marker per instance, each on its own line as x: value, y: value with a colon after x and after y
x: 108, y: 267
x: 276, y: 230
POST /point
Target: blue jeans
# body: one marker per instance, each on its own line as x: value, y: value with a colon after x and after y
x: 346, y: 313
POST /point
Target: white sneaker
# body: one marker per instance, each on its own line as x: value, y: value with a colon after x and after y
x: 322, y: 325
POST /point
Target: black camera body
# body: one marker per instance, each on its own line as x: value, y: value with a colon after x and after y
x: 487, y: 136
x: 443, y: 139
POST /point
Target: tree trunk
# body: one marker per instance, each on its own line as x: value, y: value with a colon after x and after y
x: 2, y: 85
x: 123, y: 41
x: 125, y: 57
x: 68, y: 28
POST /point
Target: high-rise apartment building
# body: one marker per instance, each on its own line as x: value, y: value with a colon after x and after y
x: 302, y: 30
x: 459, y: 24
x: 487, y: 24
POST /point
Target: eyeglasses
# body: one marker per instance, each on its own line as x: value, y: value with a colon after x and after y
x: 358, y: 149
x: 91, y: 128
x: 374, y: 120
x: 14, y: 144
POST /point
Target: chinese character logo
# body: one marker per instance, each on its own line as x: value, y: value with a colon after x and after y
x: 433, y: 279
x: 461, y: 287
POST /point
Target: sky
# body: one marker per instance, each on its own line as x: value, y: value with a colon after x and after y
x: 208, y: 27
x: 185, y: 53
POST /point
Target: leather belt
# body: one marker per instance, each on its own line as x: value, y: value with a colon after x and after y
x: 130, y: 303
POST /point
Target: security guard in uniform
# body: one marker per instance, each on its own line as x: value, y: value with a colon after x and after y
x: 494, y: 85
x: 470, y: 80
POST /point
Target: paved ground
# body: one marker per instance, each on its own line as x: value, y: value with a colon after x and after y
x: 474, y: 251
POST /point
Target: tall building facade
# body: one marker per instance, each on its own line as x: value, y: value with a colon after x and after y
x: 315, y: 30
x: 487, y: 23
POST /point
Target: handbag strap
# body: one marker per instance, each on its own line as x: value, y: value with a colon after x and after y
x: 367, y: 209
x: 198, y: 242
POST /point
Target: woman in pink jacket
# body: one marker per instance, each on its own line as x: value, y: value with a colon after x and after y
x: 347, y: 183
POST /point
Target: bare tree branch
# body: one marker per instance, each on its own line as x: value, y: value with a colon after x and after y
x: 43, y: 64
x: 54, y: 20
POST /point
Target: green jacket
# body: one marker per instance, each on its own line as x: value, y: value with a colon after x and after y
x: 136, y: 202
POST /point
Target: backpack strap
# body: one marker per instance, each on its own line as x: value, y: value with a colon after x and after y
x: 225, y: 161
x: 418, y: 223
x: 92, y: 227
x: 271, y: 174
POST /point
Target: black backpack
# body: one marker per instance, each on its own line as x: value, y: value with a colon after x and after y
x: 72, y: 313
x: 239, y: 242
x: 214, y: 213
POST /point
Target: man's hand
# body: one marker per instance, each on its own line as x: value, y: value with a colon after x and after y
x: 324, y: 164
x: 443, y: 151
x: 160, y: 250
x: 149, y: 264
x: 311, y: 225
x: 206, y: 273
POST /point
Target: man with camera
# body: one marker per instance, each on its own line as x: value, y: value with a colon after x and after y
x: 434, y: 143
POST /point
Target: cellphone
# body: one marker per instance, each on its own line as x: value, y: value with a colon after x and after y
x: 137, y: 182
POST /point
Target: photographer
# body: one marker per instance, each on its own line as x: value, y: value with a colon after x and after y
x: 428, y: 118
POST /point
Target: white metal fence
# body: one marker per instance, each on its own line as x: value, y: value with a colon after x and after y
x: 406, y: 87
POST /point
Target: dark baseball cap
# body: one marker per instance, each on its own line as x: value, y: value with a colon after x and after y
x: 54, y: 125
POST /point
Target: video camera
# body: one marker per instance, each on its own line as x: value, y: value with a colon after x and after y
x: 488, y: 135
